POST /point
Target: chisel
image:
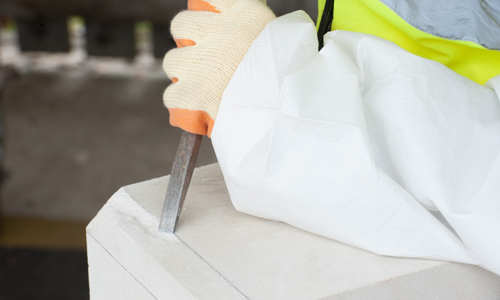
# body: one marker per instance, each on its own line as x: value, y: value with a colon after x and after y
x: 182, y: 171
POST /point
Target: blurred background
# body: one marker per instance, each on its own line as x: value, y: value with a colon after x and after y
x: 82, y: 115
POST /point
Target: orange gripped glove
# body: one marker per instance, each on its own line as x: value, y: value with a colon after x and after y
x: 212, y: 37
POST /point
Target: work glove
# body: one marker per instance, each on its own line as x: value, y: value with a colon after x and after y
x: 212, y: 37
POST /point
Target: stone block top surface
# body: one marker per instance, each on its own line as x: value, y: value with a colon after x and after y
x: 220, y: 253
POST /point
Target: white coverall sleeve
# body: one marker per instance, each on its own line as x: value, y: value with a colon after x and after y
x: 363, y: 143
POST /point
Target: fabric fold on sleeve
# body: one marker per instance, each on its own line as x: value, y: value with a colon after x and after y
x: 360, y: 142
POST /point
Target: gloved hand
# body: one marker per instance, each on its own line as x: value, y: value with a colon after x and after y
x: 212, y: 37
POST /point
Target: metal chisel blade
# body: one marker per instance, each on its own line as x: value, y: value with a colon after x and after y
x: 182, y: 171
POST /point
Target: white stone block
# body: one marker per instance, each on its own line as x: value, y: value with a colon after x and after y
x: 219, y: 253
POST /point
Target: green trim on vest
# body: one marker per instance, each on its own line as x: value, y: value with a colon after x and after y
x: 373, y: 17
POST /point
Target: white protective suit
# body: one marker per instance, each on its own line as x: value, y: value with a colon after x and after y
x: 363, y: 143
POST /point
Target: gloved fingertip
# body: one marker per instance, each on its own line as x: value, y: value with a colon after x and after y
x: 201, y: 5
x: 184, y: 43
x: 194, y: 121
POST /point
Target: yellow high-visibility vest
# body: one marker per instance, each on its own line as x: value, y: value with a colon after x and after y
x: 465, y: 57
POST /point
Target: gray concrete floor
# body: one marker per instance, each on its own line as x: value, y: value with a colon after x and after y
x: 43, y: 275
x: 73, y: 139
